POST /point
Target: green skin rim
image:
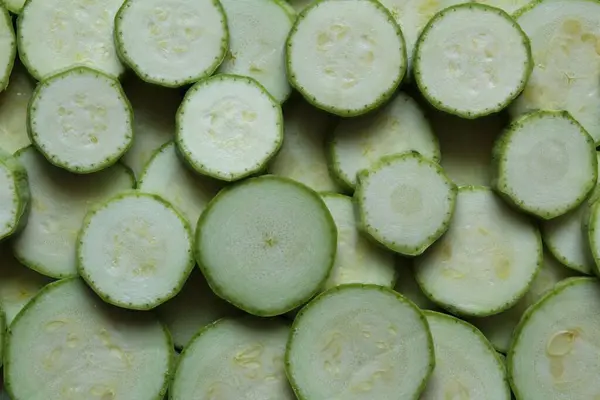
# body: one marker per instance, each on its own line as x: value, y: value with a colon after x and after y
x: 219, y: 289
x: 124, y: 56
x: 384, y: 97
x: 39, y: 268
x: 497, y: 356
x: 558, y: 288
x: 23, y: 196
x: 351, y: 286
x: 508, y: 304
x: 89, y: 280
x: 561, y: 259
x: 197, y: 165
x: 3, y: 334
x: 528, y: 69
x: 373, y: 233
x: 499, y: 166
x: 52, y: 158
x: 13, y: 53
x: 592, y: 227
x: 48, y: 288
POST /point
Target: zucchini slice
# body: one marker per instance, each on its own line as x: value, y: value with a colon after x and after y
x: 8, y: 47
x: 13, y: 110
x: 510, y: 6
x: 14, y: 195
x: 408, y: 287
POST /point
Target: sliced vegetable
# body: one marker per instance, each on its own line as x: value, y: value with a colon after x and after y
x: 8, y: 47
x: 14, y: 195
x: 13, y: 110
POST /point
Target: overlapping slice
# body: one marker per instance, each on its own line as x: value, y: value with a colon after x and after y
x: 8, y: 47
x: 13, y: 110
x: 14, y: 195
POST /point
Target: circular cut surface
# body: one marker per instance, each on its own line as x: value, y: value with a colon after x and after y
x: 359, y: 342
x: 266, y: 245
x: 487, y: 259
x: 555, y: 350
x: 172, y: 42
x: 54, y: 35
x: 228, y: 127
x: 472, y: 60
x: 346, y: 56
x: 236, y: 359
x: 135, y: 251
x: 81, y: 120
x: 68, y: 344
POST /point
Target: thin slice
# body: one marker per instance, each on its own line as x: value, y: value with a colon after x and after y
x: 486, y: 261
x: 472, y: 60
x: 135, y: 251
x: 266, y: 245
x: 405, y: 202
x: 346, y: 56
x: 545, y: 164
x: 554, y: 352
x: 398, y: 127
x: 499, y: 328
x: 359, y: 342
x: 236, y: 359
x: 302, y: 156
x: 13, y: 110
x: 55, y: 35
x: 192, y: 309
x: 564, y: 43
x: 59, y: 202
x: 408, y: 287
x: 229, y: 127
x: 510, y: 6
x: 8, y: 47
x: 80, y: 120
x: 168, y: 177
x: 172, y: 42
x: 14, y: 195
x: 478, y: 374
x: 258, y: 29
x: 357, y: 259
x: 66, y: 343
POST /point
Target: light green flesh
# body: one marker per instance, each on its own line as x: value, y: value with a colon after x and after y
x: 235, y: 359
x: 13, y: 110
x: 357, y: 259
x: 14, y: 195
x: 59, y: 202
x: 135, y: 251
x: 405, y: 202
x: 67, y: 344
x: 299, y: 5
x: 398, y: 127
x: 559, y: 157
x: 555, y: 351
x: 359, y: 342
x: 192, y: 309
x: 14, y: 6
x: 478, y: 374
x: 408, y: 287
x: 257, y: 33
x: 510, y: 6
x: 167, y: 176
x: 499, y: 328
x: 8, y: 47
x: 273, y: 259
x: 302, y: 155
x: 486, y: 260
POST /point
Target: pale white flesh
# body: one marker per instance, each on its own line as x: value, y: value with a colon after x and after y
x: 405, y: 203
x: 13, y: 110
x: 357, y: 259
x: 486, y: 260
x: 81, y: 120
x: 398, y: 127
x: 466, y: 364
x: 302, y: 155
x: 55, y: 35
x: 234, y: 359
x: 266, y: 245
x: 59, y: 202
x: 166, y: 176
x: 359, y: 342
x: 408, y: 287
x: 257, y: 33
x: 67, y: 344
x: 172, y: 42
x: 10, y: 200
x: 135, y: 251
x: 228, y: 127
x: 472, y: 61
x: 565, y: 45
x: 8, y: 46
x: 555, y: 352
x: 499, y: 328
x: 548, y: 164
x: 510, y: 6
x: 346, y: 56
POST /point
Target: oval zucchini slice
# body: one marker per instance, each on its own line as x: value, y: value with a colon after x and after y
x: 14, y: 195
x: 13, y: 110
x: 8, y: 47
